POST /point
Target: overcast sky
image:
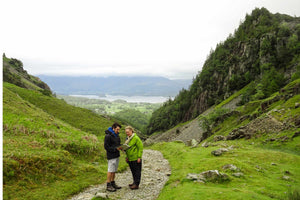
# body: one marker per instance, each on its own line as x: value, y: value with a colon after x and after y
x: 122, y: 37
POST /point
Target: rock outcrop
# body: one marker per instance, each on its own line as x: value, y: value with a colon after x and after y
x: 219, y: 152
x: 259, y: 44
x: 208, y: 176
x: 261, y: 125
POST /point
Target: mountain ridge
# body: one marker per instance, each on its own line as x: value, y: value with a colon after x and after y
x: 115, y: 85
x: 263, y: 50
x: 13, y: 72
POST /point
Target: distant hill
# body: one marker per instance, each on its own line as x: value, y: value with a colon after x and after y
x: 118, y: 85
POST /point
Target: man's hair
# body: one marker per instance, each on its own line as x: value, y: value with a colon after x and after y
x: 115, y: 125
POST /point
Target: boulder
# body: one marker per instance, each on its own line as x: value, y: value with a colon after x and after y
x: 219, y: 152
x: 205, y: 144
x: 236, y: 134
x: 219, y: 138
x: 231, y: 167
x: 287, y: 178
x: 216, y: 153
x: 194, y: 143
x: 297, y: 105
x: 238, y: 174
x: 101, y: 195
x: 208, y: 176
x: 214, y: 176
x: 193, y: 177
x: 168, y: 173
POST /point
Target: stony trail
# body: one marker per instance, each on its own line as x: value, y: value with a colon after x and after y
x: 155, y: 173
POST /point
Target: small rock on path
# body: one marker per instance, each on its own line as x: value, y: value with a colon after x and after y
x: 155, y: 173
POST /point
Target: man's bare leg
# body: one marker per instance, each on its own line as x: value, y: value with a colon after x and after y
x: 113, y: 175
x: 109, y: 177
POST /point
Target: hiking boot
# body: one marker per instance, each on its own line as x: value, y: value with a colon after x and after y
x: 134, y: 187
x: 131, y: 184
x: 113, y: 183
x: 110, y: 188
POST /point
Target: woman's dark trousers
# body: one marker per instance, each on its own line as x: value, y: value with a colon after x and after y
x: 136, y: 170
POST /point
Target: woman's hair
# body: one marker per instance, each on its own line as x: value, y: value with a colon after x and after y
x: 130, y: 128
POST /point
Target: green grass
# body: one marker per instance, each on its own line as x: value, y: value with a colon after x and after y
x: 134, y: 114
x: 261, y: 180
x: 253, y: 156
x: 235, y: 95
x: 106, y: 107
x: 45, y: 154
x: 80, y: 118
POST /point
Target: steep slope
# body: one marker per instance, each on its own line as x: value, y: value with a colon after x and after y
x: 51, y: 150
x: 227, y: 116
x: 14, y: 73
x: 258, y: 144
x: 265, y: 48
x: 250, y: 140
x: 80, y: 118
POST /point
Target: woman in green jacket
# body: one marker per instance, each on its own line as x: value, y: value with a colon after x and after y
x: 134, y: 156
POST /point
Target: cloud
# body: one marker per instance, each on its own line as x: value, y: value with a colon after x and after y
x: 170, y: 38
x: 170, y: 70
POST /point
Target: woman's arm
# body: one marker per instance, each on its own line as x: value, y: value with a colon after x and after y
x: 140, y: 147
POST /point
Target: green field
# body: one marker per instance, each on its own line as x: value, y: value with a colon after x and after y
x: 135, y: 114
x: 109, y: 108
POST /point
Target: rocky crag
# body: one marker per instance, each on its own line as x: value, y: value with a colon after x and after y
x: 264, y: 48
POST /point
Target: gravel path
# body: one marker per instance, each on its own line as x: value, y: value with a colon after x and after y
x: 155, y: 173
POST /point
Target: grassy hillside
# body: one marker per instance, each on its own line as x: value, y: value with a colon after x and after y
x: 134, y: 117
x: 261, y: 179
x: 267, y: 151
x: 13, y: 72
x: 80, y: 118
x: 264, y: 49
x: 135, y: 114
x: 49, y: 151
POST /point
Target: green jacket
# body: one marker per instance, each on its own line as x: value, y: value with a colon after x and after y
x: 136, y: 148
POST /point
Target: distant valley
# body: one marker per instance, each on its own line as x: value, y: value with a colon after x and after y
x: 118, y: 85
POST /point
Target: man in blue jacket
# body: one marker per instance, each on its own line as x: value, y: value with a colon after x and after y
x: 111, y: 143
